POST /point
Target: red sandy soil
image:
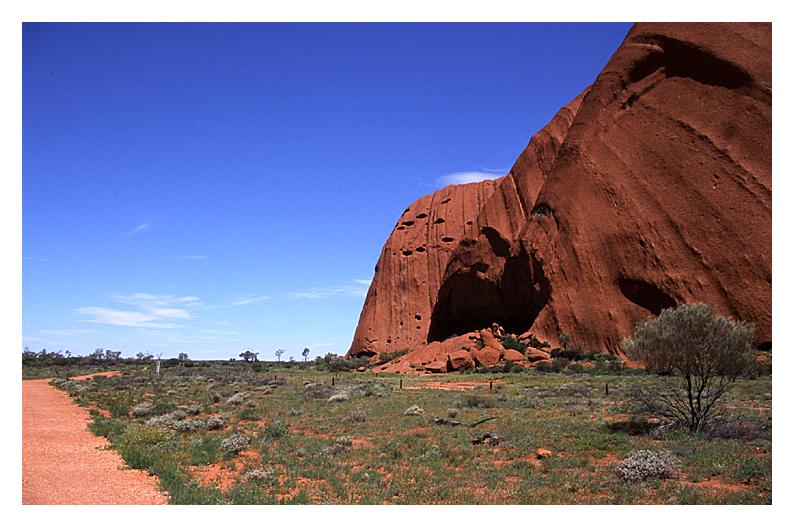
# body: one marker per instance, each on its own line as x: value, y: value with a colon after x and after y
x: 64, y: 463
x: 222, y: 474
x: 441, y: 385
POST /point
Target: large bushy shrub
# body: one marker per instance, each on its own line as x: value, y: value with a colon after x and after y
x: 703, y: 354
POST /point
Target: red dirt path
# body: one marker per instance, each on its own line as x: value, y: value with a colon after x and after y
x: 64, y: 463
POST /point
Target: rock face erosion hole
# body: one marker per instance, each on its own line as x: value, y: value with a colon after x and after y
x: 469, y: 300
x: 646, y: 295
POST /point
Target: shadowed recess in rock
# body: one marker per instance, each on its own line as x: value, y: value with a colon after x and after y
x: 468, y: 301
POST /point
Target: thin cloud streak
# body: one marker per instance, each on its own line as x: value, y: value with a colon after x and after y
x: 461, y: 178
x: 153, y: 311
x: 357, y: 289
x: 254, y: 300
x: 67, y: 332
x: 192, y: 257
x: 144, y: 227
x: 117, y: 317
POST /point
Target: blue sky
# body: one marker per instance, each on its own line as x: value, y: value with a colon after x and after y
x: 208, y: 188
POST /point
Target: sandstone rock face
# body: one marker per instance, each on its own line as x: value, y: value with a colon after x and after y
x: 459, y: 360
x: 399, y: 302
x: 512, y: 355
x: 486, y: 357
x: 436, y: 367
x: 651, y: 188
x: 534, y: 355
x: 659, y: 194
x: 423, y: 357
x: 490, y: 341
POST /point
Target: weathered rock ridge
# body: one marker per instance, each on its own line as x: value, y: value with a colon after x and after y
x: 651, y: 188
x: 408, y: 274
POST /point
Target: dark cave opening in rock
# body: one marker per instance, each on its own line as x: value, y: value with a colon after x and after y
x: 470, y: 301
x: 646, y: 295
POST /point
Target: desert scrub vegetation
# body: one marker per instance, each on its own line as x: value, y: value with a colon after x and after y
x: 644, y: 464
x: 700, y: 352
x: 302, y: 449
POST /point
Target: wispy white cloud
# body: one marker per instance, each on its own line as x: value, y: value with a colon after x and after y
x: 252, y: 300
x: 149, y: 301
x: 117, y: 317
x: 192, y: 257
x: 67, y: 332
x: 153, y: 311
x: 459, y: 178
x: 364, y: 281
x: 358, y: 289
x: 143, y: 227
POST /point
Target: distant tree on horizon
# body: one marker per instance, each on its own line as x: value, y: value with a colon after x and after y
x: 250, y: 356
x: 279, y: 353
x: 305, y: 354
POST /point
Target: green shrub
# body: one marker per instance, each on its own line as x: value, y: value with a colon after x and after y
x: 383, y: 358
x: 539, y: 344
x: 234, y: 444
x: 203, y: 450
x: 750, y: 467
x: 476, y: 401
x: 559, y: 364
x: 705, y: 351
x: 510, y: 342
x: 273, y: 431
x: 249, y: 414
x: 105, y: 427
x: 119, y: 410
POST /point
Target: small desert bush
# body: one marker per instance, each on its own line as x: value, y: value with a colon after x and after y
x: 249, y: 414
x: 477, y: 401
x: 203, y: 450
x: 356, y: 416
x: 739, y: 428
x: 107, y: 427
x: 238, y: 399
x: 273, y: 431
x: 750, y: 467
x: 559, y: 364
x: 169, y: 420
x: 119, y: 409
x: 414, y: 410
x: 339, y: 397
x: 511, y: 342
x: 260, y: 475
x: 143, y: 409
x: 383, y: 358
x: 234, y: 444
x: 189, y: 425
x: 371, y: 389
x: 317, y: 390
x: 645, y: 464
x: 216, y: 422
